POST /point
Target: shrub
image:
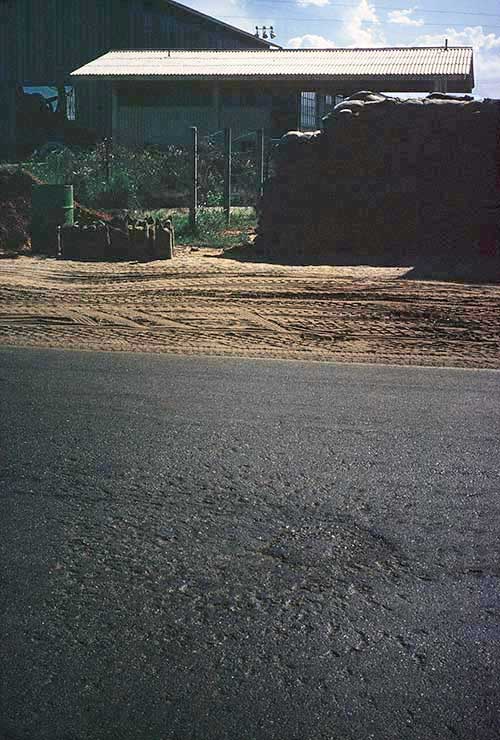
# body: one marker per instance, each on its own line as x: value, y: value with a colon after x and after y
x: 145, y: 178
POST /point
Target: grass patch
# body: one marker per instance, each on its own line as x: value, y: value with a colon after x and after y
x: 211, y: 230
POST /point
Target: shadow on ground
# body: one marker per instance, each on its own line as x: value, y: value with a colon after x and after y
x: 470, y: 269
x: 344, y: 258
x: 456, y: 267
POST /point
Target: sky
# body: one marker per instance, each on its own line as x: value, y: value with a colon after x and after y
x: 361, y: 23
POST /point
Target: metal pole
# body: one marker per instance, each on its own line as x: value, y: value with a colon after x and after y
x: 227, y: 174
x: 260, y: 162
x: 114, y: 113
x: 107, y: 158
x: 12, y: 140
x: 193, y: 205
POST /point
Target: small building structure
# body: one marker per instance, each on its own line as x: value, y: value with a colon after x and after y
x: 158, y: 95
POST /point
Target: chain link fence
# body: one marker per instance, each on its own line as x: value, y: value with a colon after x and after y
x: 113, y: 177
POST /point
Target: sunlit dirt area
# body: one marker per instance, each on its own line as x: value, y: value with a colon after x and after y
x: 202, y: 302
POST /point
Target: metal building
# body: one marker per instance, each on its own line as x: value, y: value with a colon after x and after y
x: 158, y: 95
x: 42, y: 41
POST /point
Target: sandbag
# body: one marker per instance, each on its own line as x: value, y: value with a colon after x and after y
x: 387, y: 174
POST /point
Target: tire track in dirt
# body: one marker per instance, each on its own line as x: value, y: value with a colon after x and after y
x: 201, y: 303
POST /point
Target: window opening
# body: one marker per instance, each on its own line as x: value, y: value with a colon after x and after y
x: 50, y: 99
x: 308, y: 110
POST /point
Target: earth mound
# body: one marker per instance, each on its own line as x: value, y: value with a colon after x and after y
x: 15, y: 210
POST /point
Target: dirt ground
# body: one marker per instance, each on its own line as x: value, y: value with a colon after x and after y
x: 201, y: 302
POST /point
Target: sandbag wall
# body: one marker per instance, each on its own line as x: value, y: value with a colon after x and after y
x: 386, y: 180
x: 130, y: 239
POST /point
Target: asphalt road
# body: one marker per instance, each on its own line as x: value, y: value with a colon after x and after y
x: 247, y: 550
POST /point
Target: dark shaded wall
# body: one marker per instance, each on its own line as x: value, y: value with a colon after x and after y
x: 43, y: 41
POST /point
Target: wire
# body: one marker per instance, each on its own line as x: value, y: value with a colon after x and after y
x: 343, y: 20
x: 387, y: 7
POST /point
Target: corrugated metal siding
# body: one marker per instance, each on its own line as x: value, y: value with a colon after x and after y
x: 172, y: 27
x: 154, y: 114
x: 93, y: 102
x: 7, y: 120
x: 55, y: 35
x: 171, y: 125
x: 130, y: 127
x: 8, y: 42
x: 8, y: 52
x: 161, y: 126
x: 42, y: 41
x: 243, y: 119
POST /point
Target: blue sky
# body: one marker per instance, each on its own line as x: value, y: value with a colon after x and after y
x: 326, y: 23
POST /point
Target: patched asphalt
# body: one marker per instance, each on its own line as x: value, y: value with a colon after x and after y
x: 224, y: 549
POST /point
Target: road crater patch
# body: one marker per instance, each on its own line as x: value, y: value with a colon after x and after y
x: 341, y: 547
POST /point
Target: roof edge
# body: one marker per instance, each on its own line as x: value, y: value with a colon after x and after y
x: 284, y: 49
x: 211, y: 18
x: 271, y: 77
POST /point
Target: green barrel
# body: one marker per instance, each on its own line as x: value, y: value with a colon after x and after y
x: 51, y: 206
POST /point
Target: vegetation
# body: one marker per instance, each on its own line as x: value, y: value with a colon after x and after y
x: 211, y: 230
x: 145, y: 179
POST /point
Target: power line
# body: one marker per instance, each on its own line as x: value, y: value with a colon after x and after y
x: 385, y: 7
x: 343, y: 20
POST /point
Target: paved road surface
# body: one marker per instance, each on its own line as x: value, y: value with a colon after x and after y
x: 244, y: 550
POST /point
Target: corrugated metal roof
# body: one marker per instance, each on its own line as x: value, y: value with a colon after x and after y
x: 404, y: 62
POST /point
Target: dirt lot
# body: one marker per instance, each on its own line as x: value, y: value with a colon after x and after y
x: 204, y: 303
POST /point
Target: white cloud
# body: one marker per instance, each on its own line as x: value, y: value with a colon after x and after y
x: 310, y: 41
x: 404, y: 17
x: 486, y: 55
x: 318, y: 3
x: 235, y: 12
x: 359, y: 34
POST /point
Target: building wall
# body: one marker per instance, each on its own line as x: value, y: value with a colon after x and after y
x: 161, y: 113
x: 8, y: 43
x: 158, y: 25
x: 163, y: 125
x: 43, y: 41
x: 7, y: 118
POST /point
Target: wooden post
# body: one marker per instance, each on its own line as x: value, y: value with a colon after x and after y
x: 260, y: 162
x: 193, y: 205
x: 227, y: 174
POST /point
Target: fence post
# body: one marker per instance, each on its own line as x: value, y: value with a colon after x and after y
x: 107, y: 158
x: 193, y: 205
x: 260, y: 162
x: 227, y: 174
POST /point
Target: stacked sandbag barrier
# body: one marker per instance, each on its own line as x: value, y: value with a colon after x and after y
x: 387, y: 180
x: 84, y: 241
x: 139, y: 239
